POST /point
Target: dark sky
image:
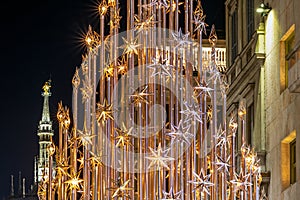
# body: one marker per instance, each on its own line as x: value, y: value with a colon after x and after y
x: 40, y: 39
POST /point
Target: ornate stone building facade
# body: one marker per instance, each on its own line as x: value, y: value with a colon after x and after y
x: 263, y: 61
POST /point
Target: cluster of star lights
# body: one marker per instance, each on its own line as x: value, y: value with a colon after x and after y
x: 164, y: 133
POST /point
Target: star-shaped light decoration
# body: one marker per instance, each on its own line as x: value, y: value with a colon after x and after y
x: 124, y: 136
x: 144, y: 25
x: 192, y: 111
x: 122, y: 190
x: 214, y: 75
x: 95, y: 159
x: 180, y: 38
x: 199, y: 19
x: 172, y: 6
x: 104, y: 112
x: 138, y: 98
x: 86, y: 91
x: 85, y: 137
x: 240, y: 181
x: 109, y: 70
x: 181, y: 133
x: 202, y: 181
x: 171, y: 195
x: 158, y: 158
x: 160, y: 67
x: 130, y: 46
x: 74, y: 182
x: 62, y: 168
x: 80, y: 160
x: 221, y: 137
x: 122, y: 65
x: 222, y: 163
x: 201, y: 88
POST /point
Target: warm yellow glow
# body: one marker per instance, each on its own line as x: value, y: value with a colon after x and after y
x: 47, y: 87
x: 103, y: 8
x: 104, y: 112
x: 88, y: 40
x: 60, y: 112
x: 74, y: 182
x: 112, y: 3
x: 121, y: 191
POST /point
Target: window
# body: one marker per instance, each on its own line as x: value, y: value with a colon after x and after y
x: 250, y: 19
x: 250, y: 123
x: 234, y: 36
x: 288, y: 160
x: 293, y: 161
x: 287, y: 56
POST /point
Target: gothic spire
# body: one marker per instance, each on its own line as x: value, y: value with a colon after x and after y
x: 46, y: 93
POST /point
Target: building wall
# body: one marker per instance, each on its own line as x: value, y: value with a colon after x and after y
x: 257, y: 74
x: 282, y: 104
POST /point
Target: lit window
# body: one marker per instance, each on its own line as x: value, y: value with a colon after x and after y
x: 293, y: 161
x: 288, y: 160
x: 287, y: 56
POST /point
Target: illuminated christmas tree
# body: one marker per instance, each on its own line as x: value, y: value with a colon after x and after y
x: 149, y: 118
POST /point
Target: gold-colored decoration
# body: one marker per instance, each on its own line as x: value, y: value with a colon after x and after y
x: 103, y: 7
x: 47, y: 87
x: 76, y: 79
x: 104, y: 112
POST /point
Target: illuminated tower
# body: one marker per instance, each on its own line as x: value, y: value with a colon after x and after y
x: 45, y: 133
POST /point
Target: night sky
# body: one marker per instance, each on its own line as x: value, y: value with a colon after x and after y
x: 39, y: 40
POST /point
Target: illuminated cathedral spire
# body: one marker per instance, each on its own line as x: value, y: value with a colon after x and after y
x: 45, y: 133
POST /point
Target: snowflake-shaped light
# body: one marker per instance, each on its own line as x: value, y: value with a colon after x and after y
x: 158, y: 158
x: 202, y: 181
x: 222, y: 163
x: 171, y: 195
x: 181, y: 133
x: 192, y: 111
x: 240, y: 181
x: 180, y: 38
x: 160, y: 67
x: 201, y: 88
